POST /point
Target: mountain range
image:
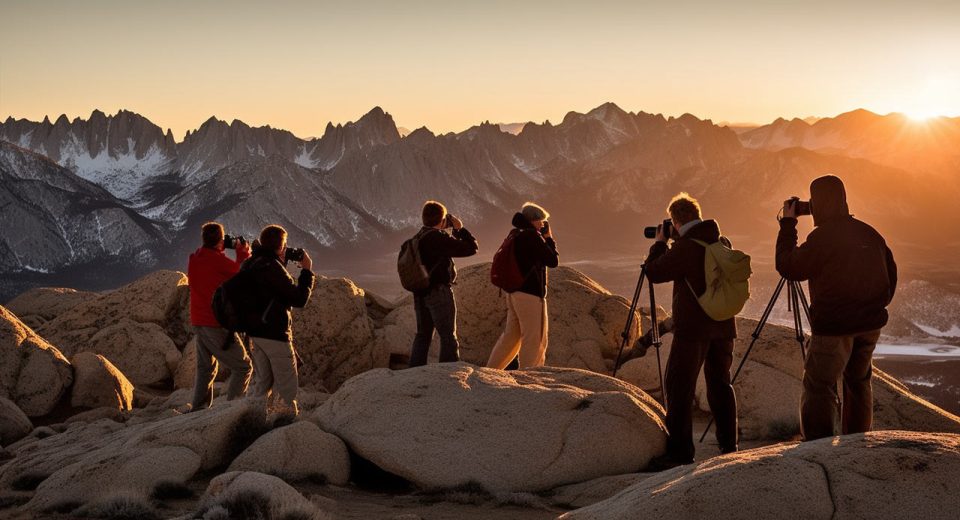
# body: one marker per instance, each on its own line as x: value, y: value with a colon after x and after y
x: 117, y: 192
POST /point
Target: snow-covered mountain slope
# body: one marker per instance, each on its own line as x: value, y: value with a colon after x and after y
x: 50, y: 218
x: 119, y: 153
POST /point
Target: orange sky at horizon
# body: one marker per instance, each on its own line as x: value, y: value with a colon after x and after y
x: 297, y: 65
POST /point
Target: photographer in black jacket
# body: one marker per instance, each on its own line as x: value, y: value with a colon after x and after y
x: 435, y: 307
x: 274, y: 360
x: 852, y: 278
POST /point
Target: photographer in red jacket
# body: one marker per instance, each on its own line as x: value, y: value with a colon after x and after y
x: 207, y: 268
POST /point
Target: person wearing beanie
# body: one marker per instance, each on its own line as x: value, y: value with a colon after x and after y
x: 525, y: 331
x: 852, y: 279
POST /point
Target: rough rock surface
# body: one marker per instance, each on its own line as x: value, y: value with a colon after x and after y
x: 42, y: 304
x: 583, y: 494
x: 142, y: 351
x: 97, y: 383
x: 33, y: 373
x: 447, y: 425
x: 884, y: 474
x: 586, y: 320
x: 273, y: 497
x: 14, y: 424
x: 89, y: 460
x: 334, y: 335
x: 158, y: 298
x: 297, y: 452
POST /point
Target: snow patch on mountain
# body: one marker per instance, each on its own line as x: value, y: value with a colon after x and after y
x: 952, y: 332
x: 118, y: 171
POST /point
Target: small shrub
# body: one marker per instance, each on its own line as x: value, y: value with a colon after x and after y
x: 120, y: 508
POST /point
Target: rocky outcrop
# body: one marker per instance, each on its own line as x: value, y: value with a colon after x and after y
x: 87, y: 461
x: 884, y: 474
x: 14, y: 424
x: 440, y: 426
x: 98, y: 383
x: 38, y: 306
x: 334, y: 335
x: 131, y: 326
x: 586, y: 320
x: 33, y: 373
x: 140, y: 350
x: 297, y: 452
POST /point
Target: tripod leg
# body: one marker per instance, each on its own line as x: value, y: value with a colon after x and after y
x: 657, y: 343
x: 625, y: 335
x: 755, y: 336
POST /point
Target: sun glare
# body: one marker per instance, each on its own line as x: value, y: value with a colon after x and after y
x: 921, y: 115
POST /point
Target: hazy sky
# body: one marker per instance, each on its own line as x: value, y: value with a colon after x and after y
x: 297, y: 65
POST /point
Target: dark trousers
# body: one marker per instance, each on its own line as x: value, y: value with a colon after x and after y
x: 829, y: 358
x: 683, y: 367
x: 435, y: 310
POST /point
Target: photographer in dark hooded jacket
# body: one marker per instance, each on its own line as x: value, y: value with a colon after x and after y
x: 852, y: 278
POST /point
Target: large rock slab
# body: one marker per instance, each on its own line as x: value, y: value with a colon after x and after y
x: 42, y: 304
x: 98, y: 383
x: 297, y: 452
x: 452, y: 424
x: 33, y: 373
x: 158, y: 298
x: 14, y: 424
x: 884, y: 474
x: 88, y: 461
x: 334, y: 335
x: 586, y: 320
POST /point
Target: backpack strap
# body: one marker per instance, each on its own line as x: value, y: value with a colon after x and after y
x: 705, y: 246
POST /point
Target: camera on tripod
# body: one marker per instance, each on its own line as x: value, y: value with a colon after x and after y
x: 231, y: 242
x: 801, y: 207
x: 651, y: 231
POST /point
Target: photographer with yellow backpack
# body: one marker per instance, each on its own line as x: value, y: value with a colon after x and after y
x: 710, y: 288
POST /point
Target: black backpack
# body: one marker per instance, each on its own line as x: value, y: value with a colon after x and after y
x: 413, y: 275
x: 236, y: 303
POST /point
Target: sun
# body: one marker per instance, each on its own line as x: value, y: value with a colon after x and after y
x: 921, y: 115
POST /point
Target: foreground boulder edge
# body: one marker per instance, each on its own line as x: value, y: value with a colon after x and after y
x: 454, y: 424
x: 33, y: 373
x: 883, y: 474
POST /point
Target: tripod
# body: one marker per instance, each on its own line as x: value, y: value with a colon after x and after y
x: 654, y: 329
x: 796, y: 301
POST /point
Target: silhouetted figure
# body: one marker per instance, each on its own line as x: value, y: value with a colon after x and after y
x: 852, y: 278
x: 274, y: 358
x: 435, y: 306
x: 524, y: 337
x: 698, y: 340
x: 207, y: 268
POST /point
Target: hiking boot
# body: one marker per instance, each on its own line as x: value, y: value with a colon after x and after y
x: 665, y: 462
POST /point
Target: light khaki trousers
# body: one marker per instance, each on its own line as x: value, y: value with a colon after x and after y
x: 274, y: 369
x: 525, y: 332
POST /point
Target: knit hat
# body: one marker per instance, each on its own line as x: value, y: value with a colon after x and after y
x: 532, y: 212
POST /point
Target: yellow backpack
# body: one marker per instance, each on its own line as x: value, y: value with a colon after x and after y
x: 728, y: 280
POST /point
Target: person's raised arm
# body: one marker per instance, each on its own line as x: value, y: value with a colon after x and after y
x: 793, y: 262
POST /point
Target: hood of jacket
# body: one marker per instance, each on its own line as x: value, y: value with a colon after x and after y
x: 828, y: 199
x: 707, y: 231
